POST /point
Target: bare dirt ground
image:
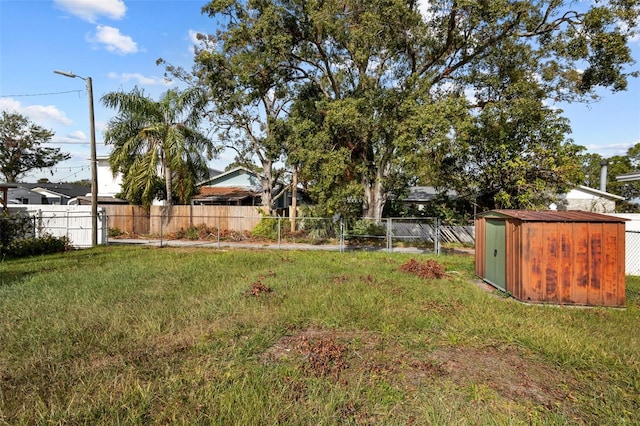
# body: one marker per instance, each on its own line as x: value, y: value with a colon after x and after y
x: 506, y: 372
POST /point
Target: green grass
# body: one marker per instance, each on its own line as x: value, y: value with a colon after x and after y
x: 130, y: 335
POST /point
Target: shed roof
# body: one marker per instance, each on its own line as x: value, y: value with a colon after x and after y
x: 553, y: 216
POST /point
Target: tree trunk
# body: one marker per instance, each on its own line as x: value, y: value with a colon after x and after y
x: 294, y: 199
x: 168, y: 186
x: 266, y: 180
x: 374, y: 196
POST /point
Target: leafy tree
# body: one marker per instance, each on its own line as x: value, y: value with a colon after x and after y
x: 21, y: 150
x: 158, y: 136
x: 394, y: 78
x: 513, y: 152
x: 249, y: 91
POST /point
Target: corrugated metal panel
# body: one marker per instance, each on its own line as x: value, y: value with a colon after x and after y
x: 553, y: 216
x: 578, y: 262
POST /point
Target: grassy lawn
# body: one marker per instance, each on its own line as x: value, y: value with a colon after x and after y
x: 131, y: 335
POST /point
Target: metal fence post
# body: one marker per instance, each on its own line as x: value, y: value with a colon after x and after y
x: 218, y: 231
x: 389, y: 235
x: 39, y: 224
x: 279, y: 226
x: 161, y: 220
x: 437, y: 241
x: 341, y: 239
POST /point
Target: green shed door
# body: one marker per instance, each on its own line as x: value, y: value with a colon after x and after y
x: 495, y: 256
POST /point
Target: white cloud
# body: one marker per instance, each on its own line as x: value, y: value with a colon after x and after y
x: 193, y: 36
x: 200, y: 43
x: 37, y: 113
x: 77, y: 136
x: 140, y: 79
x: 89, y: 10
x: 113, y: 41
x: 608, y: 150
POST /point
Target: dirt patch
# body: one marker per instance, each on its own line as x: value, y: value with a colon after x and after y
x: 507, y: 370
x: 257, y: 289
x: 428, y: 269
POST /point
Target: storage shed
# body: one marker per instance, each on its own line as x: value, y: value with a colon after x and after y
x: 562, y: 257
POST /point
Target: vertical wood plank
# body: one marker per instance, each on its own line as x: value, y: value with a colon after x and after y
x: 581, y: 263
x: 610, y: 264
x: 596, y: 260
x: 534, y: 281
x: 566, y: 262
x: 551, y: 249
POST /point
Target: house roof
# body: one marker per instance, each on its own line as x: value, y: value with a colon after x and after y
x: 552, y: 216
x: 425, y: 193
x: 629, y: 177
x: 69, y: 190
x: 86, y: 200
x: 220, y: 176
x: 227, y: 193
x: 599, y: 193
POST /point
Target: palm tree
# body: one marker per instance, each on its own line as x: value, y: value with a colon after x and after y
x: 151, y: 136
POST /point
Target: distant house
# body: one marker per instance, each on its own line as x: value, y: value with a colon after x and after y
x: 420, y: 196
x: 238, y: 187
x: 588, y: 199
x: 629, y: 177
x: 581, y: 198
x: 46, y: 193
x: 108, y: 184
x: 4, y: 195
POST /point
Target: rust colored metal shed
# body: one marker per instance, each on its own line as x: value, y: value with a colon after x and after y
x: 562, y: 257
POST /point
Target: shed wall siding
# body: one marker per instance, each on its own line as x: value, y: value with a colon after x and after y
x: 480, y: 247
x: 580, y: 263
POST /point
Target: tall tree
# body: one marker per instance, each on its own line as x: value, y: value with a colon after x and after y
x: 150, y: 136
x: 249, y: 90
x: 21, y: 150
x: 380, y: 64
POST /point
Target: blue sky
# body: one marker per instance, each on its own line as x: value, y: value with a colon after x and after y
x: 117, y: 44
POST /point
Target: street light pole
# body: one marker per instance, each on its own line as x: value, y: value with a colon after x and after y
x: 94, y: 163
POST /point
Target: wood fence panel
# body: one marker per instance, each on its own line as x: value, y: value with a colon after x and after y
x: 127, y: 218
x: 167, y: 220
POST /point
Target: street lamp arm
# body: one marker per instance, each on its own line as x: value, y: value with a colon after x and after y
x: 68, y: 74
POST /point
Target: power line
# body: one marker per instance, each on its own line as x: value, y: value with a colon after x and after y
x: 75, y: 143
x: 41, y: 94
x: 59, y: 168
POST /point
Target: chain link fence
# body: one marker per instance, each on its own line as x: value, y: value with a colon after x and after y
x: 633, y: 266
x: 389, y: 234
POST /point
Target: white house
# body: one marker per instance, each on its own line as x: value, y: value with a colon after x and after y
x: 108, y: 185
x: 588, y: 199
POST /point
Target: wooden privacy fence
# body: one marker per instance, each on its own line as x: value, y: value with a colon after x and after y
x: 169, y: 219
x: 128, y: 219
x: 175, y: 218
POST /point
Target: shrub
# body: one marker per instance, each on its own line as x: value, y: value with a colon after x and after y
x: 198, y: 232
x: 267, y: 228
x: 31, y: 246
x: 115, y: 232
x: 13, y: 227
x: 192, y: 233
x: 365, y: 229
